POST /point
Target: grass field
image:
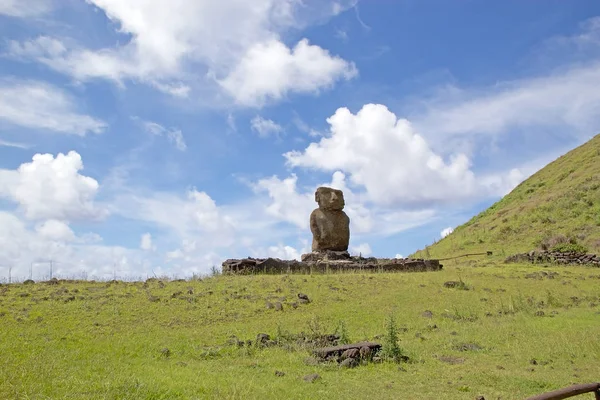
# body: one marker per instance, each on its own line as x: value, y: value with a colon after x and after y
x: 516, y: 331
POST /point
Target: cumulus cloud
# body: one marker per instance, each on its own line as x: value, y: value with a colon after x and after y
x: 52, y: 188
x: 291, y: 204
x: 287, y: 204
x: 270, y: 70
x: 55, y: 230
x: 385, y: 155
x: 265, y: 127
x: 445, y: 232
x: 39, y: 105
x: 237, y: 44
x: 393, y: 163
x: 283, y: 252
x: 362, y: 249
x: 72, y: 256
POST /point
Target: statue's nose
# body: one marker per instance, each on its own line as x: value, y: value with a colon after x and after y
x: 333, y: 197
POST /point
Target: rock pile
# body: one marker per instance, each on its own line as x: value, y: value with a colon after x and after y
x: 556, y: 257
x: 328, y: 261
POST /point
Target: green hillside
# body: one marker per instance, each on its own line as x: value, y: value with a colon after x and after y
x: 559, y: 202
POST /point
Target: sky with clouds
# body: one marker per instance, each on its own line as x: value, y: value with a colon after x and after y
x: 143, y: 137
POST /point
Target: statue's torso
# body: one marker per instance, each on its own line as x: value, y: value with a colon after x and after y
x: 331, y: 230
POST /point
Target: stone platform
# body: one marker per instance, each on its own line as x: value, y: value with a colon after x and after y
x: 328, y: 261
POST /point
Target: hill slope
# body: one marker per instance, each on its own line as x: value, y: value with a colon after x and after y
x: 562, y: 199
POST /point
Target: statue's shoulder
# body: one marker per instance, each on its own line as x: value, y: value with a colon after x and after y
x: 316, y: 212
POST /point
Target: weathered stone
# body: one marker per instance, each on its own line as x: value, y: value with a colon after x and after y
x: 304, y: 298
x: 349, y: 363
x: 351, y: 353
x: 329, y: 225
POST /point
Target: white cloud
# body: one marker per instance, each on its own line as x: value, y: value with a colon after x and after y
x: 385, y: 156
x: 6, y: 143
x: 52, y: 188
x: 563, y: 99
x: 191, y: 217
x: 146, y: 242
x: 270, y: 70
x: 39, y: 105
x: 55, y: 230
x: 398, y: 256
x: 20, y: 8
x: 445, y: 232
x: 362, y: 249
x: 283, y: 252
x: 72, y: 257
x: 287, y: 204
x: 175, y: 136
x: 265, y: 127
x: 291, y: 205
x: 234, y: 42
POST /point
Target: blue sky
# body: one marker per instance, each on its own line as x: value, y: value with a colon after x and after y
x: 147, y: 137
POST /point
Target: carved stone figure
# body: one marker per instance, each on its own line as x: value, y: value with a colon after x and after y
x: 329, y: 225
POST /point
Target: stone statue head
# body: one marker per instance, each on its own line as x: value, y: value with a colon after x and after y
x: 329, y: 199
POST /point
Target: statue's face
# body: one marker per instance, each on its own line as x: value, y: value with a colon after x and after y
x: 330, y: 199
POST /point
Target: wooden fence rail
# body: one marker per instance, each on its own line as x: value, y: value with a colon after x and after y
x: 570, y: 392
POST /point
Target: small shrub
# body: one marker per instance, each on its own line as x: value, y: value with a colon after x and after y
x: 391, y: 350
x: 342, y: 332
x: 569, y: 248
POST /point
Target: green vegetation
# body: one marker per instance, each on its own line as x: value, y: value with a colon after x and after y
x: 561, y: 200
x: 518, y: 330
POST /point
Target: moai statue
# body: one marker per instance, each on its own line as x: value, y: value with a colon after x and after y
x: 329, y: 225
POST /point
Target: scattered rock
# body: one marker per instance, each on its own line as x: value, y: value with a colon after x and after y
x: 349, y: 363
x: 479, y: 398
x: 303, y: 297
x: 352, y: 353
x: 278, y: 306
x: 165, y: 352
x: 467, y: 347
x: 311, y: 377
x: 279, y: 373
x: 28, y: 282
x: 269, y: 305
x: 539, y: 313
x: 427, y: 314
x: 365, y: 353
x: 262, y: 338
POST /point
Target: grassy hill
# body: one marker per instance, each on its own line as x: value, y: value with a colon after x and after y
x: 561, y: 201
